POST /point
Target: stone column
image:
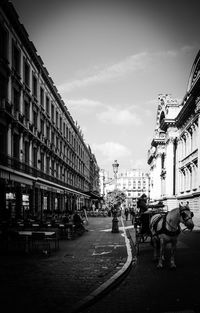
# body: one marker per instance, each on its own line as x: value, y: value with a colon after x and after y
x: 170, y: 179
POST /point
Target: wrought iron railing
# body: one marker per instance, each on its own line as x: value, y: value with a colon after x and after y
x: 16, y: 164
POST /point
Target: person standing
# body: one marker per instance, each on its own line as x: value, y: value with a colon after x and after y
x: 142, y: 204
x: 132, y: 215
x: 126, y: 212
x: 144, y: 218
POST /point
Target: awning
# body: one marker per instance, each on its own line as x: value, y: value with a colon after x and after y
x: 15, y: 177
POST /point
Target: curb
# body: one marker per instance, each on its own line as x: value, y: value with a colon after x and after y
x: 111, y: 282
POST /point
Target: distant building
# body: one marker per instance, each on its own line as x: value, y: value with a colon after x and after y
x: 133, y: 183
x: 45, y: 164
x: 175, y: 149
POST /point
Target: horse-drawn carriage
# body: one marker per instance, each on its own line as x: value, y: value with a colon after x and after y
x: 162, y: 227
x: 142, y: 221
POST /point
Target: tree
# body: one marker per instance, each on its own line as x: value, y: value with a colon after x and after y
x: 115, y: 198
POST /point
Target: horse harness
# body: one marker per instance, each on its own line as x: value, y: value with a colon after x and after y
x: 164, y: 229
x: 184, y: 215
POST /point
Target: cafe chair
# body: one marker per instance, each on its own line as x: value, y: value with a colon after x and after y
x: 53, y: 239
x: 40, y: 243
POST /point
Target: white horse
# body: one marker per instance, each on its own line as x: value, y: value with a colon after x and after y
x: 166, y: 228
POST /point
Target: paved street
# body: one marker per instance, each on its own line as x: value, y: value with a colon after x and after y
x: 147, y: 289
x: 57, y: 283
x: 65, y: 280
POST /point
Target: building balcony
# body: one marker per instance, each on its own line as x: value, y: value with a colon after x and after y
x: 22, y: 167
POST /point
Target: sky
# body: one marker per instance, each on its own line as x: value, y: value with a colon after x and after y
x: 109, y: 60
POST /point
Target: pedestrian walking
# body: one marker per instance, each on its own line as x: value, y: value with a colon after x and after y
x: 126, y: 212
x: 132, y: 215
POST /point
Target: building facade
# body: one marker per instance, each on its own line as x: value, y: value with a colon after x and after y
x: 174, y: 153
x: 45, y: 164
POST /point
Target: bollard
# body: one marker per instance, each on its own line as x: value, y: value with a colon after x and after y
x: 115, y: 228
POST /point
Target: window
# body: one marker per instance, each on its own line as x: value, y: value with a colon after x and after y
x: 67, y: 133
x: 27, y: 110
x: 52, y: 167
x: 47, y: 105
x: 3, y: 87
x: 4, y: 42
x: 35, y: 118
x: 26, y: 152
x: 48, y: 132
x: 61, y: 124
x: 57, y: 142
x: 35, y: 157
x: 3, y: 140
x: 52, y: 112
x: 57, y: 170
x: 42, y: 96
x: 56, y: 118
x: 42, y: 161
x: 34, y: 86
x: 26, y: 73
x: 163, y: 161
x: 52, y: 137
x: 16, y: 146
x: 16, y: 55
x: 42, y: 126
x: 47, y: 164
x: 16, y: 99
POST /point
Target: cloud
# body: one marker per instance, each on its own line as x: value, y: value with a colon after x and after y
x: 83, y: 103
x: 111, y: 150
x: 119, y: 117
x: 130, y: 64
x: 188, y: 48
x: 140, y: 163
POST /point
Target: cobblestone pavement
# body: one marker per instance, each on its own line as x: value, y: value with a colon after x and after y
x: 57, y: 283
x: 149, y: 290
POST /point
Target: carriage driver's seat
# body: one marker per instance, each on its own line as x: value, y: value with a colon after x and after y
x: 144, y: 222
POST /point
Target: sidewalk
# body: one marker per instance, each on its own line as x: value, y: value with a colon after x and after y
x: 82, y: 270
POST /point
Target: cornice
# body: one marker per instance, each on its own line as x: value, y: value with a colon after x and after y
x: 166, y: 123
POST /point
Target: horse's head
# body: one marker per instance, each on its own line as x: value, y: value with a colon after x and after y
x: 186, y: 216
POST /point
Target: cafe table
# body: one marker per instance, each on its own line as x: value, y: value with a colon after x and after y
x: 28, y: 236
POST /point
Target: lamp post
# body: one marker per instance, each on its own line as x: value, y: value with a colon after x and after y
x: 115, y: 166
x: 115, y: 228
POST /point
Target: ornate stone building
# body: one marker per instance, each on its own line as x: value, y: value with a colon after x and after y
x: 45, y: 165
x: 175, y: 149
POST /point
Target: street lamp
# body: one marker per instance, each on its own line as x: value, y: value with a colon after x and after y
x: 115, y: 228
x: 115, y: 166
